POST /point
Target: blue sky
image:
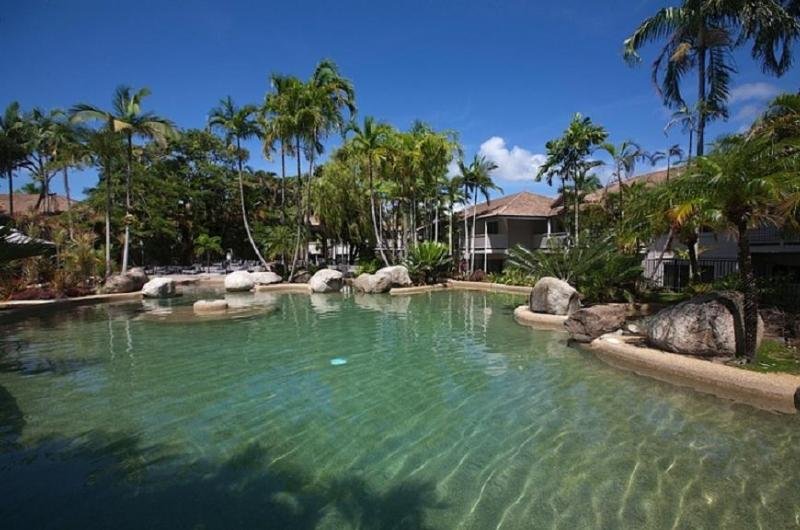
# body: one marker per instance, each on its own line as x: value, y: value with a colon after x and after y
x: 506, y: 75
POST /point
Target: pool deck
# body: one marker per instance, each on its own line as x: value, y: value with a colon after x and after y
x: 772, y: 391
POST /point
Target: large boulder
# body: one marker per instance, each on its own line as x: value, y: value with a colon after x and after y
x: 383, y: 280
x: 159, y: 288
x: 705, y: 325
x: 129, y: 282
x: 553, y: 296
x: 210, y: 306
x: 588, y: 323
x: 239, y: 281
x: 265, y: 278
x: 326, y: 281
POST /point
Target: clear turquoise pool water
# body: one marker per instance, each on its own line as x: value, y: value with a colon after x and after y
x: 444, y: 414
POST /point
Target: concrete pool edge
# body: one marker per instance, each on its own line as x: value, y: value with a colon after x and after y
x: 526, y: 317
x: 771, y: 391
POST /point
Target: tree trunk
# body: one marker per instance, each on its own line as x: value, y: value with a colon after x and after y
x: 244, y: 208
x: 577, y: 210
x: 11, y: 193
x: 660, y: 259
x: 750, y: 308
x: 450, y: 229
x: 691, y: 246
x: 69, y: 203
x: 283, y: 184
x: 474, y: 217
x: 378, y: 240
x: 689, y: 156
x: 108, y: 220
x: 466, y: 226
x: 299, y: 194
x: 701, y: 97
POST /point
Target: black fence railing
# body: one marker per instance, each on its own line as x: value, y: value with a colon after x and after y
x: 673, y: 273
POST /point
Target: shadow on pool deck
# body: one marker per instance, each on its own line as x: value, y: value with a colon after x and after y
x: 114, y: 481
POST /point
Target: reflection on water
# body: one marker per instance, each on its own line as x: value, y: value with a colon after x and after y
x: 446, y: 414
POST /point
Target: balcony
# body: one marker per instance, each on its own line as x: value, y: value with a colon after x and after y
x: 491, y: 243
x: 770, y: 235
x: 543, y: 241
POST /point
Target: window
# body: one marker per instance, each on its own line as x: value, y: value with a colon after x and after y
x: 492, y: 227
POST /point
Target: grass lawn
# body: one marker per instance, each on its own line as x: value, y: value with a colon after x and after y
x: 775, y: 356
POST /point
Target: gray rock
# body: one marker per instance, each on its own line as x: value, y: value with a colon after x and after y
x: 383, y: 280
x: 326, y: 281
x: 265, y: 278
x: 210, y: 306
x: 239, y: 281
x: 585, y: 325
x: 159, y: 288
x: 301, y: 276
x: 703, y: 325
x: 553, y: 296
x: 129, y: 282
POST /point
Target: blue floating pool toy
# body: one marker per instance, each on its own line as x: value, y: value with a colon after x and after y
x: 338, y: 361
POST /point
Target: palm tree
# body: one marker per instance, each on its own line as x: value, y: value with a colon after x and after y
x: 13, y: 150
x: 742, y: 182
x: 567, y: 156
x: 68, y: 151
x: 673, y: 151
x: 127, y: 118
x: 278, y: 125
x: 482, y: 184
x: 688, y: 121
x: 237, y: 124
x: 369, y: 142
x: 623, y: 159
x: 205, y: 245
x: 703, y: 35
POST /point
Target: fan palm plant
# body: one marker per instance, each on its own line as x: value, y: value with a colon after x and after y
x: 126, y: 118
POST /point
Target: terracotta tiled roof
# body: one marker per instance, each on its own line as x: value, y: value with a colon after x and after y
x: 648, y: 179
x: 25, y: 203
x: 522, y: 204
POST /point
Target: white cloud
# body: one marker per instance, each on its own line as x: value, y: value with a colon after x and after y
x: 748, y: 112
x: 512, y: 164
x: 753, y: 91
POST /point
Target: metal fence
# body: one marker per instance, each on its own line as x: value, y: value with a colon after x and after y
x: 673, y: 273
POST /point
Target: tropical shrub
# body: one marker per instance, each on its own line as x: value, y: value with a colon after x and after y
x: 512, y: 276
x: 428, y: 262
x: 367, y: 266
x: 596, y: 268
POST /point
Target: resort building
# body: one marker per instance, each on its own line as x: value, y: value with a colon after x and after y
x: 775, y: 252
x: 524, y: 218
x: 534, y: 221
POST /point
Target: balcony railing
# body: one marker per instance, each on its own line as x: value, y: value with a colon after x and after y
x: 499, y: 242
x: 544, y: 241
x: 770, y: 235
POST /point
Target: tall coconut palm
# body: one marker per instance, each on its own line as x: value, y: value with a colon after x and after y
x: 701, y: 35
x: 482, y: 184
x: 237, y: 124
x: 126, y: 118
x: 687, y: 120
x: 369, y: 143
x: 13, y: 150
x: 278, y: 125
x: 623, y: 160
x: 567, y: 157
x: 41, y: 132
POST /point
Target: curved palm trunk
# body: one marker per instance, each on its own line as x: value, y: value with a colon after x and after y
x: 378, y: 239
x: 127, y: 205
x: 750, y: 308
x: 660, y: 259
x: 244, y: 208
